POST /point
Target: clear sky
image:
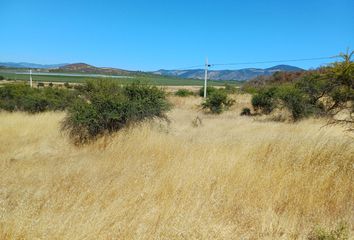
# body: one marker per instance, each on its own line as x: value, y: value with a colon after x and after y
x: 154, y: 34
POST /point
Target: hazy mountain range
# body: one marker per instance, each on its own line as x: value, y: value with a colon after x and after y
x: 240, y: 74
x: 30, y: 65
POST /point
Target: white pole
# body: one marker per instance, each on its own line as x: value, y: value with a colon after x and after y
x: 206, y: 77
x: 31, y: 77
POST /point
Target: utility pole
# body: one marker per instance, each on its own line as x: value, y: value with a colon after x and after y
x: 31, y: 77
x: 206, y: 77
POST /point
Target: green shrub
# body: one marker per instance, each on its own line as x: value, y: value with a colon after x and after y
x: 246, y: 112
x: 184, y: 93
x: 314, y: 86
x: 50, y: 84
x: 209, y: 91
x: 217, y: 102
x: 264, y: 101
x: 294, y: 100
x: 40, y: 84
x: 290, y: 96
x: 341, y: 95
x: 20, y: 97
x: 1, y: 78
x: 106, y: 106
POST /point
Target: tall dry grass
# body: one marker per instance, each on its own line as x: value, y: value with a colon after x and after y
x: 230, y: 177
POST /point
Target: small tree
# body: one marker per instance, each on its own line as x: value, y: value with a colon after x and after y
x: 341, y: 84
x: 294, y: 100
x: 264, y: 101
x: 217, y: 102
x: 106, y: 106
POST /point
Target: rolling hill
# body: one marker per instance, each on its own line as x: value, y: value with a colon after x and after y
x: 30, y: 65
x: 86, y: 68
x: 241, y: 74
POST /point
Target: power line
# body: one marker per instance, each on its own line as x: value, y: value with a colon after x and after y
x: 186, y: 68
x: 274, y: 61
x: 256, y: 62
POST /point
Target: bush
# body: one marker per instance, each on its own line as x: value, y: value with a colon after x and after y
x: 294, y: 100
x: 184, y: 93
x: 217, y: 102
x: 40, y: 84
x: 314, y: 86
x: 106, y: 106
x: 264, y: 100
x: 246, y: 112
x: 210, y: 90
x: 290, y: 96
x: 50, y: 84
x: 2, y: 78
x: 20, y: 97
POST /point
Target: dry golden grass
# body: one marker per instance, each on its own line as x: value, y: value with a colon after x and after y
x: 231, y: 177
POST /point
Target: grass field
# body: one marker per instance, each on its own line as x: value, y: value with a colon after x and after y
x: 152, y: 79
x: 228, y: 177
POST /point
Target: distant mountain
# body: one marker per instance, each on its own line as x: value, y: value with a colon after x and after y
x: 285, y: 68
x: 86, y: 68
x: 30, y: 65
x: 241, y: 74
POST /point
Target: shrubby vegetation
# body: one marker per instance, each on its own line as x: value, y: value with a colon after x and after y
x: 228, y: 88
x: 184, y: 93
x: 209, y: 91
x: 264, y: 101
x: 246, y: 112
x: 20, y: 97
x: 326, y: 91
x: 94, y: 108
x: 1, y: 77
x: 105, y: 106
x: 217, y: 101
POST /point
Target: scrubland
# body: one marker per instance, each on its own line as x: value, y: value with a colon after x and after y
x: 198, y: 176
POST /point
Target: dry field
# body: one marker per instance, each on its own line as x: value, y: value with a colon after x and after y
x: 229, y: 177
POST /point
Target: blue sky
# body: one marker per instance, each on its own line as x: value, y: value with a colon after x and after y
x: 149, y: 35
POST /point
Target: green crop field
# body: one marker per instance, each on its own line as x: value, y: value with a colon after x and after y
x: 150, y: 78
